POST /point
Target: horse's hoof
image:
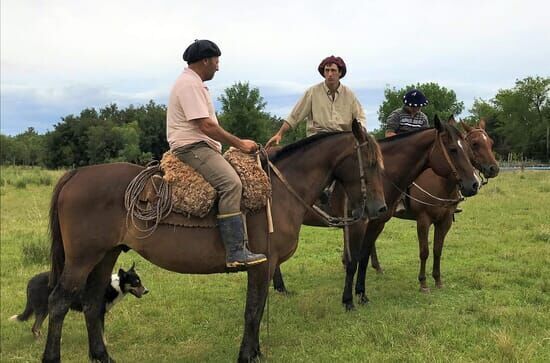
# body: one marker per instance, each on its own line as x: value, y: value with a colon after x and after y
x: 349, y: 306
x: 362, y: 299
x: 439, y: 285
x: 380, y: 271
x: 283, y: 292
x: 425, y: 290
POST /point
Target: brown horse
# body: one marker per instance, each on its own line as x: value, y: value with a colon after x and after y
x: 434, y: 199
x: 405, y: 157
x: 88, y: 223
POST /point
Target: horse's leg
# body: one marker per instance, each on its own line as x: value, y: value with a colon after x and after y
x: 369, y: 237
x: 423, y: 223
x: 375, y: 263
x: 256, y: 294
x: 355, y: 243
x: 278, y: 282
x: 441, y: 230
x: 92, y: 306
x: 358, y: 232
x: 70, y: 285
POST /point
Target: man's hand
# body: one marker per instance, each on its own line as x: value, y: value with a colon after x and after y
x: 275, y: 140
x: 248, y: 146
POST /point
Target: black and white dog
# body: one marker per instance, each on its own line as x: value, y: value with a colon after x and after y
x: 38, y: 291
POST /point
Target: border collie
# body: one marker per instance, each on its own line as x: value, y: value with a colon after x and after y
x: 38, y: 291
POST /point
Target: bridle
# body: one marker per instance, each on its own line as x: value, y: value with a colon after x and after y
x: 328, y: 219
x: 439, y: 142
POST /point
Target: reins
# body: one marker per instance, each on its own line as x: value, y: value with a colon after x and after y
x: 445, y: 202
x: 325, y: 217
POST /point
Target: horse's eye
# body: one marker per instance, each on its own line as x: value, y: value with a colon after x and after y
x: 453, y: 150
x: 475, y: 145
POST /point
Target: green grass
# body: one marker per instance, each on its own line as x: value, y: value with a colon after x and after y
x: 495, y: 305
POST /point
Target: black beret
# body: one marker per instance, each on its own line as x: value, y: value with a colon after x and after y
x: 201, y: 49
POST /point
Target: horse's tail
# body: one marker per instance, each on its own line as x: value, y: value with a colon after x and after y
x: 57, y: 253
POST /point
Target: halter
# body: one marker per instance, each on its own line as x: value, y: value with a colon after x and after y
x: 328, y: 219
x: 446, y: 155
x: 476, y: 164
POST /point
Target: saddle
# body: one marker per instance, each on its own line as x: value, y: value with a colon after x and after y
x: 193, y: 199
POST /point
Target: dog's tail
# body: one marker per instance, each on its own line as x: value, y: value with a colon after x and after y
x: 25, y: 315
x: 57, y: 253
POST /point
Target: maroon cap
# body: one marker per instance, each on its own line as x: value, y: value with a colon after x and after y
x: 332, y: 60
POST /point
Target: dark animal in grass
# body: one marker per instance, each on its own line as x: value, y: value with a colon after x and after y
x: 122, y: 283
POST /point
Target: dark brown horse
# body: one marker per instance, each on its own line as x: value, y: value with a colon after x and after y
x: 405, y: 157
x: 88, y: 222
x: 434, y: 199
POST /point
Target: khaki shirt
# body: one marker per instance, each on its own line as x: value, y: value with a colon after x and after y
x: 189, y: 100
x: 324, y: 114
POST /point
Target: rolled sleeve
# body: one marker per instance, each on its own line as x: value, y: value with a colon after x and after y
x: 301, y: 110
x: 392, y: 123
x: 193, y: 102
x: 359, y: 113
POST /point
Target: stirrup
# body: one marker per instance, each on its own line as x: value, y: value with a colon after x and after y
x: 234, y: 264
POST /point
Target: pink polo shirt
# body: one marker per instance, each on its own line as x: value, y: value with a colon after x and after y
x: 189, y: 100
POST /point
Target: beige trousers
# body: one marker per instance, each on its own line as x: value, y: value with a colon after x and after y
x: 217, y: 171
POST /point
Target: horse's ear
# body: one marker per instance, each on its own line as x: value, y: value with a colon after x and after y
x: 451, y: 120
x: 465, y: 126
x: 438, y: 125
x: 358, y: 131
x: 482, y: 124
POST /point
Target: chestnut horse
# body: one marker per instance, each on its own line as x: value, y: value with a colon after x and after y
x: 405, y: 156
x: 88, y: 223
x: 434, y: 200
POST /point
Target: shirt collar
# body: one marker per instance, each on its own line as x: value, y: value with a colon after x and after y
x: 327, y: 90
x: 195, y: 75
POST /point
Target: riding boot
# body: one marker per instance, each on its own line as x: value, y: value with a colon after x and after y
x: 400, y: 208
x: 232, y: 233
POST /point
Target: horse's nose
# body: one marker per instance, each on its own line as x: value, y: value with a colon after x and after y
x: 493, y: 169
x: 383, y: 209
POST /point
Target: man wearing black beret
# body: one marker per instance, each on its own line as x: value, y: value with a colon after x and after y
x: 195, y: 137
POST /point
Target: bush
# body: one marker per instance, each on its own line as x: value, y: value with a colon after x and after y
x: 36, y: 252
x: 21, y: 183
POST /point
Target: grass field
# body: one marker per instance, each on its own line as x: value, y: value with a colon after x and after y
x: 495, y: 305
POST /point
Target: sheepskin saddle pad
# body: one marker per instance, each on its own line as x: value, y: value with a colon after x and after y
x: 192, y: 196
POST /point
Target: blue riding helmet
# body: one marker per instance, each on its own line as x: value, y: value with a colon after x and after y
x: 415, y: 98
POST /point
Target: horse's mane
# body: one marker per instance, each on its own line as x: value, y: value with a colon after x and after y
x: 374, y: 154
x: 403, y: 135
x: 453, y: 131
x: 289, y: 149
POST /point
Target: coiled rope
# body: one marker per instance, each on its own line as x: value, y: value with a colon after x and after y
x: 156, y: 210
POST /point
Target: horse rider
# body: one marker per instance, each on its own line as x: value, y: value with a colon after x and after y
x: 327, y: 106
x: 407, y: 118
x: 195, y: 137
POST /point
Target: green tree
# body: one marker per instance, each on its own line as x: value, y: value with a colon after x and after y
x: 243, y: 113
x: 524, y: 116
x: 442, y: 101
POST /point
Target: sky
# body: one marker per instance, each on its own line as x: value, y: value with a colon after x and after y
x: 59, y: 57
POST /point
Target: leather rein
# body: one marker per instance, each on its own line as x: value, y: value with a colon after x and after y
x: 328, y: 219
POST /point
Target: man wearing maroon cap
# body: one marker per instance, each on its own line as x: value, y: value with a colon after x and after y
x: 327, y: 106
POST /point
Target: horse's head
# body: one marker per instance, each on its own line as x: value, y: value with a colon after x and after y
x: 361, y: 175
x: 482, y: 147
x: 450, y: 157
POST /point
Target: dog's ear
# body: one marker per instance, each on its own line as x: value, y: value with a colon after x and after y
x: 121, y: 272
x: 133, y: 267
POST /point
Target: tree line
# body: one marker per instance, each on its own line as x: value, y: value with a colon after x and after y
x: 518, y: 119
